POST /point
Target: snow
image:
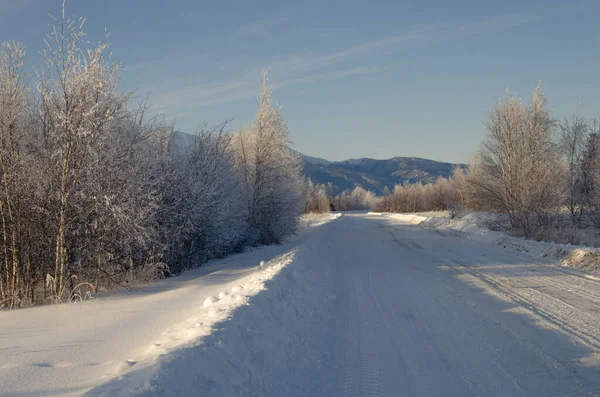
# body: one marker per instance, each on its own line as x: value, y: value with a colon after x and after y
x: 474, y: 226
x: 363, y: 305
x: 66, y: 350
x: 209, y: 301
x: 413, y: 219
x: 236, y: 289
x: 315, y: 219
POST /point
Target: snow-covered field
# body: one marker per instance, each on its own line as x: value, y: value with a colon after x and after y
x: 361, y: 305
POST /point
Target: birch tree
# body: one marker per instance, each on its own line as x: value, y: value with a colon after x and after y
x: 78, y: 99
x: 573, y: 135
x: 271, y: 172
x: 13, y: 104
x: 590, y: 174
x: 520, y: 165
x: 315, y: 198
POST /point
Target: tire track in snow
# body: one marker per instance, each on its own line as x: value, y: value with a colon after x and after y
x: 490, y: 278
x: 356, y: 356
x: 546, y: 305
x: 371, y: 374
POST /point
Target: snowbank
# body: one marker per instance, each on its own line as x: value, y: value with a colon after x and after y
x: 316, y: 219
x: 127, y: 340
x: 242, y: 339
x: 245, y: 343
x: 474, y: 226
x: 409, y: 218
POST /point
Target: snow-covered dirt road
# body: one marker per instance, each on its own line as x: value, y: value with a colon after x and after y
x: 421, y: 313
x: 362, y: 306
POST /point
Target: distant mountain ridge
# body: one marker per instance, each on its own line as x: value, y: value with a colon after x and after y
x: 374, y: 174
x: 369, y: 173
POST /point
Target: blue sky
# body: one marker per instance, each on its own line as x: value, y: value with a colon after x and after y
x: 355, y: 79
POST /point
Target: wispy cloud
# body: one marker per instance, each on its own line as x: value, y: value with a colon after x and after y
x: 167, y: 59
x: 217, y: 94
x: 422, y: 36
x: 308, y: 68
x: 336, y: 74
x: 206, y: 94
x: 236, y: 96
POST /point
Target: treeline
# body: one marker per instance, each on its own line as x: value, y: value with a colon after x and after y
x: 321, y: 198
x: 94, y: 194
x: 542, y: 175
x: 453, y: 194
x: 358, y: 199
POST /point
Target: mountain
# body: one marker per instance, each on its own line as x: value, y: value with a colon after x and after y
x: 374, y: 174
x: 181, y: 139
x: 369, y: 173
x: 314, y: 160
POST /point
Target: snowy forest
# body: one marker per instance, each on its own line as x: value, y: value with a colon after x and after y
x: 97, y: 194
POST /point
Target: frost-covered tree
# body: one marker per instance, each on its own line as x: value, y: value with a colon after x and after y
x: 78, y: 101
x: 386, y: 203
x: 203, y: 213
x: 520, y: 168
x: 453, y: 194
x: 95, y: 194
x: 315, y: 198
x: 462, y: 191
x: 358, y: 199
x: 115, y: 228
x: 589, y: 181
x: 78, y: 174
x: 573, y: 135
x: 270, y: 171
x: 13, y: 106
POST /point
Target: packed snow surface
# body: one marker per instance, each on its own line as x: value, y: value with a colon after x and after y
x: 363, y: 305
x: 475, y: 226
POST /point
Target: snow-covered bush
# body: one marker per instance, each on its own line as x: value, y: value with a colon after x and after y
x: 202, y: 214
x: 95, y: 193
